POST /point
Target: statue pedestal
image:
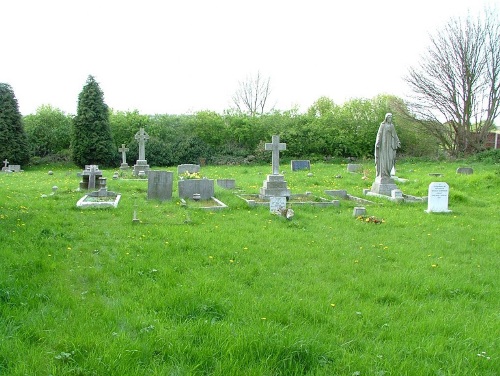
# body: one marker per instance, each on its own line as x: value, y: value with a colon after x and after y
x: 383, y: 186
x: 274, y: 186
x: 124, y: 166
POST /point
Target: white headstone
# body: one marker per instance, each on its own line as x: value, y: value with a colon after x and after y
x: 437, y: 200
x: 277, y: 204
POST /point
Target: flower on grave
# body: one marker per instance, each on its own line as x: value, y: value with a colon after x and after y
x: 191, y: 175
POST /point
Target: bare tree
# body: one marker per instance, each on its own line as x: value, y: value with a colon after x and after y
x: 457, y: 83
x: 252, y: 95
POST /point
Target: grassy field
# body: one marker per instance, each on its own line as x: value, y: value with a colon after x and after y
x: 243, y: 292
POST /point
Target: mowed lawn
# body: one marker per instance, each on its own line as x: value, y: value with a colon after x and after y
x: 241, y: 291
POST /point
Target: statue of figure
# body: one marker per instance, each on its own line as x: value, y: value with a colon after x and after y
x: 385, y: 147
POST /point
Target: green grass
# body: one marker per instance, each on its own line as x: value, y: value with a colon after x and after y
x: 243, y: 292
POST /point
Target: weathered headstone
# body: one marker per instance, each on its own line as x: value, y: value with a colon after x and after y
x: 124, y: 150
x: 397, y: 194
x: 359, y: 210
x: 5, y: 164
x: 90, y: 176
x: 297, y: 165
x: 14, y: 168
x: 465, y: 170
x: 352, y: 167
x: 437, y: 199
x: 160, y: 184
x: 188, y: 187
x: 226, y: 183
x: 275, y: 185
x: 277, y: 204
x: 190, y: 168
x: 141, y: 164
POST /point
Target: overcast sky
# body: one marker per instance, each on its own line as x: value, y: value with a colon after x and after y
x: 178, y: 57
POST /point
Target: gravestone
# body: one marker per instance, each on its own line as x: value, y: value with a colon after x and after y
x: 397, y: 194
x: 277, y: 204
x: 352, y: 167
x: 226, y: 183
x: 188, y: 187
x: 141, y: 164
x: 465, y: 170
x: 5, y: 164
x: 275, y: 185
x: 190, y: 168
x: 123, y: 150
x: 15, y: 167
x: 358, y: 210
x: 90, y: 176
x: 297, y: 165
x: 437, y: 199
x: 160, y: 184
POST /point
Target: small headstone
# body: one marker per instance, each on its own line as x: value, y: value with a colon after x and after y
x: 160, y: 185
x: 437, y: 200
x: 277, y: 204
x: 337, y: 192
x: 226, y: 183
x: 297, y: 165
x: 352, y: 167
x: 465, y: 170
x: 50, y: 173
x: 15, y: 168
x: 310, y: 174
x: 359, y: 210
x: 116, y: 176
x: 396, y: 194
x: 190, y: 168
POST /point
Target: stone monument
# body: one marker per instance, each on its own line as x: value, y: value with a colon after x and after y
x: 385, y: 156
x: 141, y: 164
x: 275, y: 184
x: 123, y: 150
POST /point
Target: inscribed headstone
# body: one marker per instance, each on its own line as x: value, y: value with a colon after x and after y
x: 297, y: 165
x: 160, y: 184
x: 277, y: 204
x: 437, y: 200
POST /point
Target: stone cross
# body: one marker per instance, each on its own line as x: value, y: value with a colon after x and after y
x: 142, y: 137
x: 275, y: 147
x: 123, y: 150
x: 6, y: 163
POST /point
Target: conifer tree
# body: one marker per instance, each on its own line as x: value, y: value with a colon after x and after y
x: 92, y: 141
x: 13, y: 140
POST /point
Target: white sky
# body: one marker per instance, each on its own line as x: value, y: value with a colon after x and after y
x: 177, y: 57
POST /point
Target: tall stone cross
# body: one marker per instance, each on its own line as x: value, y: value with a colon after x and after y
x: 6, y: 163
x: 123, y: 150
x: 275, y: 147
x: 142, y: 137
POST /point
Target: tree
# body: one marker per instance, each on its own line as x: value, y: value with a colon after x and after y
x: 457, y: 83
x: 13, y: 140
x: 49, y: 131
x: 252, y: 95
x: 92, y: 140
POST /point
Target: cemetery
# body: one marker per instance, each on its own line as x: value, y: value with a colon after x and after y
x: 156, y: 267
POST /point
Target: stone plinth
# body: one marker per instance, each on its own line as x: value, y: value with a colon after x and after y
x: 141, y: 165
x: 274, y: 186
x: 383, y: 186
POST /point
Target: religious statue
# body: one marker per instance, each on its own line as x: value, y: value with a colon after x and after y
x: 385, y: 148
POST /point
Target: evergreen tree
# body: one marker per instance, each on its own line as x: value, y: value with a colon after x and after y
x: 92, y: 140
x: 13, y: 140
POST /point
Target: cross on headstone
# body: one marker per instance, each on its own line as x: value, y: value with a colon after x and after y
x: 275, y: 147
x: 142, y: 137
x: 123, y: 150
x: 92, y: 176
x: 6, y: 163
